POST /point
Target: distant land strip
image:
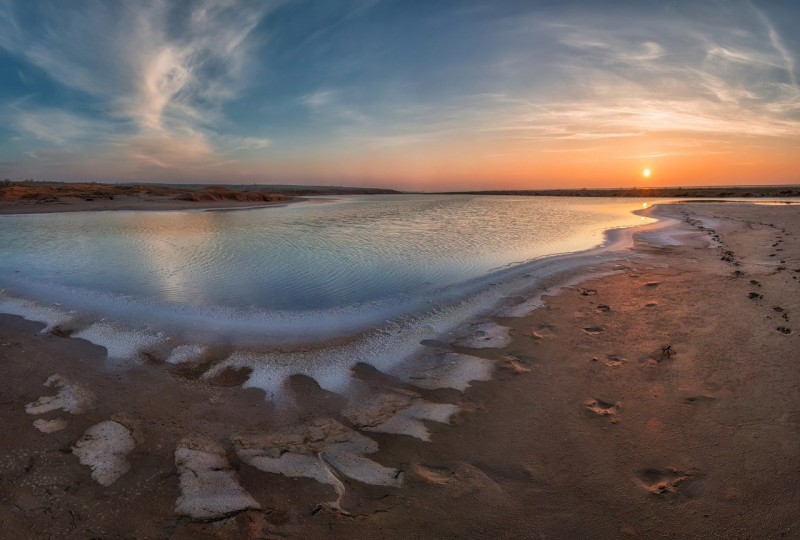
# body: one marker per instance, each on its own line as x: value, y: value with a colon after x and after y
x: 32, y: 192
x: 658, y: 192
x: 45, y: 191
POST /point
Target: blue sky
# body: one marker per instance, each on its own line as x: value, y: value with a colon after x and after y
x: 424, y: 95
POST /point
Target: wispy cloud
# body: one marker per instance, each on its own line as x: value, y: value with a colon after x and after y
x: 164, y: 73
x: 55, y: 126
x: 777, y: 43
x: 223, y: 87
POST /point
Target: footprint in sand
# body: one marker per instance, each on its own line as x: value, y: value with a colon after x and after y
x: 460, y: 480
x: 486, y: 335
x: 544, y: 331
x: 513, y: 365
x: 652, y: 284
x: 784, y: 330
x: 602, y: 408
x: 594, y: 330
x: 663, y: 482
x: 587, y: 292
x: 602, y: 308
x: 614, y: 360
x: 697, y: 400
x: 755, y: 296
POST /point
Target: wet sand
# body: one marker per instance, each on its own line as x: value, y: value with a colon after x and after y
x: 662, y: 400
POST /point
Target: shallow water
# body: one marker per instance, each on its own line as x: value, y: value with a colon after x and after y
x: 318, y: 268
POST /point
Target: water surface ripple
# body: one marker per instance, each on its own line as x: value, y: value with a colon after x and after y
x: 360, y: 257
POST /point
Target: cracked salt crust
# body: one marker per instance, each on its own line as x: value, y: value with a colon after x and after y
x: 317, y: 450
x: 209, y: 486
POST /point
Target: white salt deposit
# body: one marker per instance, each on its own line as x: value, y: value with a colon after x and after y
x: 209, y: 486
x: 33, y: 311
x: 71, y: 397
x: 104, y: 448
x: 397, y: 413
x: 446, y: 370
x: 121, y: 344
x: 363, y: 469
x: 271, y: 372
x: 294, y: 466
x: 524, y: 308
x: 50, y: 426
x: 187, y: 354
x: 310, y: 450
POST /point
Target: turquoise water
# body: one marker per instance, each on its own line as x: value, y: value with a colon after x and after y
x: 335, y: 264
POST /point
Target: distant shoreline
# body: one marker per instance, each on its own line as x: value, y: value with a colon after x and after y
x: 720, y: 192
x: 34, y: 197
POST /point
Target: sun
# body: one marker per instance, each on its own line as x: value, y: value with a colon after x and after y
x: 646, y: 173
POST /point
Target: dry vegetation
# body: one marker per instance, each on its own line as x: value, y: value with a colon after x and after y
x: 226, y: 194
x: 28, y: 191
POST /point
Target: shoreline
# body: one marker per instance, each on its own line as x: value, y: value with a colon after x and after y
x: 454, y: 308
x: 570, y: 394
x: 152, y: 203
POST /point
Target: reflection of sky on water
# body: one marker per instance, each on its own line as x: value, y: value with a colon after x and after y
x: 304, y: 256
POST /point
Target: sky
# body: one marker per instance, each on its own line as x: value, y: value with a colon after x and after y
x: 424, y: 95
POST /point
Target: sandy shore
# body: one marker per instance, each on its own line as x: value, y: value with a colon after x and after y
x: 662, y: 400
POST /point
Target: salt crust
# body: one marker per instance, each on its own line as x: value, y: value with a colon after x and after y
x: 50, y: 426
x: 397, y: 413
x: 447, y: 370
x: 209, y: 486
x: 120, y: 343
x: 104, y: 448
x: 317, y: 449
x: 71, y: 397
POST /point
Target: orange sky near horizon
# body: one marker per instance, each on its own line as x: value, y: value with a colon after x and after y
x: 610, y: 164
